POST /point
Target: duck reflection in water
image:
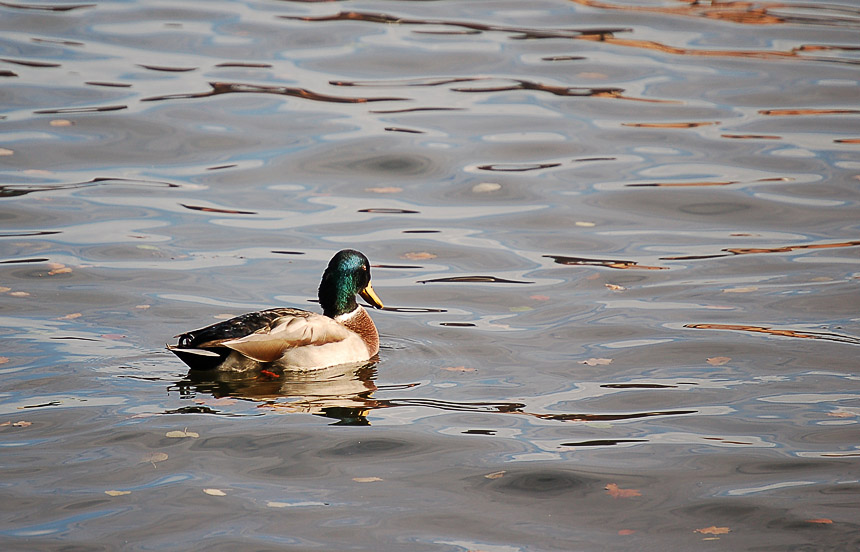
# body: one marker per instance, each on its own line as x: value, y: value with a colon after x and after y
x: 342, y: 392
x: 345, y: 393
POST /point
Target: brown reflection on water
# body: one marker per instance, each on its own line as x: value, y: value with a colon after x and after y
x: 519, y: 32
x: 217, y: 210
x: 751, y: 136
x: 743, y: 12
x: 757, y: 250
x: 516, y: 84
x: 624, y: 265
x: 794, y: 53
x: 240, y: 88
x: 671, y: 125
x: 473, y: 280
x: 166, y: 69
x: 801, y: 334
x: 797, y: 112
x: 42, y: 7
x: 705, y: 183
x: 12, y: 190
x: 27, y: 63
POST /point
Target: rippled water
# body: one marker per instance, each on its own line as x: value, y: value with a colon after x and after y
x: 619, y: 242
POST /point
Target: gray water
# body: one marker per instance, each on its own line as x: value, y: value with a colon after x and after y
x: 617, y: 242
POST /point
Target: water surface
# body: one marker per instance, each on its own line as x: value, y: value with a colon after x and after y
x: 618, y: 242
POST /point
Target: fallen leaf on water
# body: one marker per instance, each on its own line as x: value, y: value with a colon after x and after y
x: 842, y: 414
x: 623, y: 532
x: 584, y: 224
x: 366, y: 479
x: 615, y: 491
x: 520, y: 309
x: 596, y: 361
x: 418, y: 256
x: 273, y: 504
x: 718, y: 361
x: 539, y: 297
x: 223, y: 401
x: 820, y: 520
x: 4, y: 360
x: 485, y: 187
x: 117, y: 493
x: 70, y: 316
x: 215, y: 492
x: 19, y: 294
x: 141, y: 306
x: 384, y: 190
x: 155, y: 457
x: 180, y: 434
x: 459, y: 369
x: 741, y: 289
x: 61, y: 123
x: 496, y: 475
x: 22, y: 423
x: 4, y: 151
x: 60, y: 270
x: 615, y: 287
x: 112, y: 336
x: 713, y: 530
x: 4, y: 289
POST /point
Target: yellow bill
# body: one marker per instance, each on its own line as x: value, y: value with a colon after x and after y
x: 370, y: 296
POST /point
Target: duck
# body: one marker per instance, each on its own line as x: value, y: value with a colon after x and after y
x: 295, y: 339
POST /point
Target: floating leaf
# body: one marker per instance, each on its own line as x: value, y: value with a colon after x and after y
x: 713, y: 530
x: 584, y: 224
x: 718, y: 361
x: 842, y: 414
x: 22, y: 423
x: 418, y: 256
x: 117, y: 493
x: 485, y: 187
x: 4, y: 289
x: 615, y: 491
x: 615, y: 287
x: 596, y: 361
x: 214, y: 492
x: 155, y: 457
x: 4, y: 360
x: 273, y: 504
x: 181, y: 434
x: 459, y: 369
x: 820, y: 520
x: 142, y: 306
x: 520, y: 309
x: 496, y: 475
x: 61, y: 123
x: 539, y: 297
x: 366, y: 479
x: 19, y: 294
x: 4, y: 151
x: 384, y: 190
x: 70, y: 316
x: 747, y: 289
x: 624, y: 532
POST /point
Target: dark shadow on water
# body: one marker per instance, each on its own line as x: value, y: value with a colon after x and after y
x: 345, y: 393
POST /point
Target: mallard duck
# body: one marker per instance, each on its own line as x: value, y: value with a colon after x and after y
x: 293, y: 338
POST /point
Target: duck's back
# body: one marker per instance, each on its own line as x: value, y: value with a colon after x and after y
x: 237, y: 327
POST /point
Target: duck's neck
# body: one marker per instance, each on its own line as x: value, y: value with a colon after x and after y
x: 336, y: 301
x: 359, y: 322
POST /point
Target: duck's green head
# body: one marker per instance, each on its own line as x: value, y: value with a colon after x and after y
x: 347, y: 275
